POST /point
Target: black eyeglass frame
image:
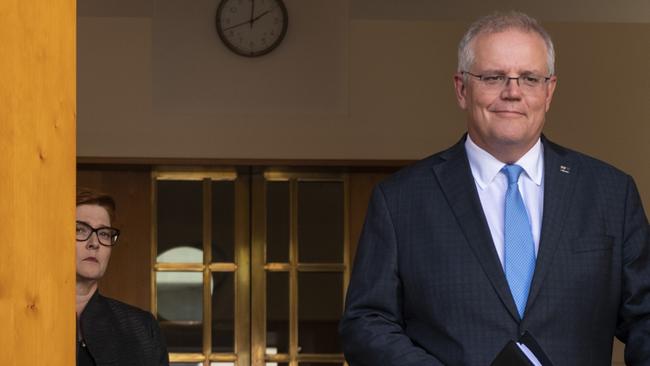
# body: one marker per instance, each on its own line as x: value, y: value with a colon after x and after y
x: 114, y: 237
x: 508, y: 78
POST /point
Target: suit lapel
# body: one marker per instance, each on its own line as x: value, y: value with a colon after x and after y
x: 99, y: 331
x: 455, y: 178
x: 560, y: 174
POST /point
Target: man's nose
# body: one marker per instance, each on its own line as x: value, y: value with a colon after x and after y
x: 511, y: 90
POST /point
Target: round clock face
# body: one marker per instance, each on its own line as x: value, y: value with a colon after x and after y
x: 251, y: 27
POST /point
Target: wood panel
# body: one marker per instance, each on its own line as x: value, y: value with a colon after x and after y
x: 37, y: 170
x: 128, y: 277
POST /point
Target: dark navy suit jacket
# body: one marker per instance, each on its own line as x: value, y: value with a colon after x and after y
x: 119, y: 334
x: 427, y: 287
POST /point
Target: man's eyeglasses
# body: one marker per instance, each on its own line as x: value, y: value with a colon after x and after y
x: 106, y: 236
x: 529, y: 82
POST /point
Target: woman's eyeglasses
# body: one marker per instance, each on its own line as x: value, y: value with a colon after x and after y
x: 106, y: 236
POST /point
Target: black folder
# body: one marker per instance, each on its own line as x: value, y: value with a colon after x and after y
x: 512, y: 355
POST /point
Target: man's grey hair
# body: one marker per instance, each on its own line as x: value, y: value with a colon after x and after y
x: 499, y: 22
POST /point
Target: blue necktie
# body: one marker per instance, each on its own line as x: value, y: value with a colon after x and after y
x: 518, y: 237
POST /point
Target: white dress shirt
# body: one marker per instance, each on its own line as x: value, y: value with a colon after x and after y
x: 491, y: 185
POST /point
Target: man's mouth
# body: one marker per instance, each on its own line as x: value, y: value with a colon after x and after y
x: 91, y: 259
x: 507, y: 112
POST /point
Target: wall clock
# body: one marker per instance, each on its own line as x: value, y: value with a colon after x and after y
x: 252, y: 28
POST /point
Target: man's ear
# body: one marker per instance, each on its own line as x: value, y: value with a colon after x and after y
x: 550, y: 90
x: 461, y: 90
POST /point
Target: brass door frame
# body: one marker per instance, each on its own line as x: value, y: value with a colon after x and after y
x: 259, y: 267
x: 240, y: 266
x: 249, y: 264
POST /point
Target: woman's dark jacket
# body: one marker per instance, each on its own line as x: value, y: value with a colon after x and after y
x: 118, y: 334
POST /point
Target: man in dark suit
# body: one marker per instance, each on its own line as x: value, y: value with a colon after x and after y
x: 505, y: 249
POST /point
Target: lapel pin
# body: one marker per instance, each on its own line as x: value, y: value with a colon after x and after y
x: 565, y: 169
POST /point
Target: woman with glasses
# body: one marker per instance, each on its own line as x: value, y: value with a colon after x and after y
x: 109, y: 332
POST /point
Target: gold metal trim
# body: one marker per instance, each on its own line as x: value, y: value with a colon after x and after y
x: 198, y: 175
x: 242, y: 267
x: 274, y: 176
x: 196, y: 267
x: 258, y: 273
x: 186, y: 357
x: 277, y: 267
x: 280, y: 357
x: 179, y: 267
x: 293, y: 274
x: 207, y: 278
x: 224, y: 266
x: 305, y: 267
x: 225, y: 357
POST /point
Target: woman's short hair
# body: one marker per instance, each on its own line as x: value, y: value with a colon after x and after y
x: 87, y: 196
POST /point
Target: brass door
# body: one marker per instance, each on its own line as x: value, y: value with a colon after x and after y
x: 300, y: 267
x: 247, y: 266
x: 201, y: 265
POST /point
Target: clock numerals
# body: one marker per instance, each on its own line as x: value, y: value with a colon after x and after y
x: 251, y: 27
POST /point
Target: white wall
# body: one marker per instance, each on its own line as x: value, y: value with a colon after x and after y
x: 162, y: 85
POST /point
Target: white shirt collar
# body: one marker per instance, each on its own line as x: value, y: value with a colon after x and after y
x: 485, y: 167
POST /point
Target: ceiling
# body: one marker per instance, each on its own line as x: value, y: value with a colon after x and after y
x: 623, y: 11
x: 626, y: 11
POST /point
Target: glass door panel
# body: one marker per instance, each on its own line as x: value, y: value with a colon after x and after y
x: 202, y: 271
x: 299, y: 255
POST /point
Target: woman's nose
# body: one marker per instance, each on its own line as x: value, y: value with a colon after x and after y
x: 93, y: 241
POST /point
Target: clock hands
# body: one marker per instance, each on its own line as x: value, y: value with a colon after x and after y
x: 259, y: 16
x: 251, y: 21
x: 252, y: 12
x: 236, y: 25
x: 251, y: 28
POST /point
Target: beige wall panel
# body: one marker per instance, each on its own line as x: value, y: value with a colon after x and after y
x: 605, y: 11
x: 114, y: 81
x: 403, y: 103
x: 37, y: 174
x: 400, y: 98
x: 602, y: 101
x: 203, y: 100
